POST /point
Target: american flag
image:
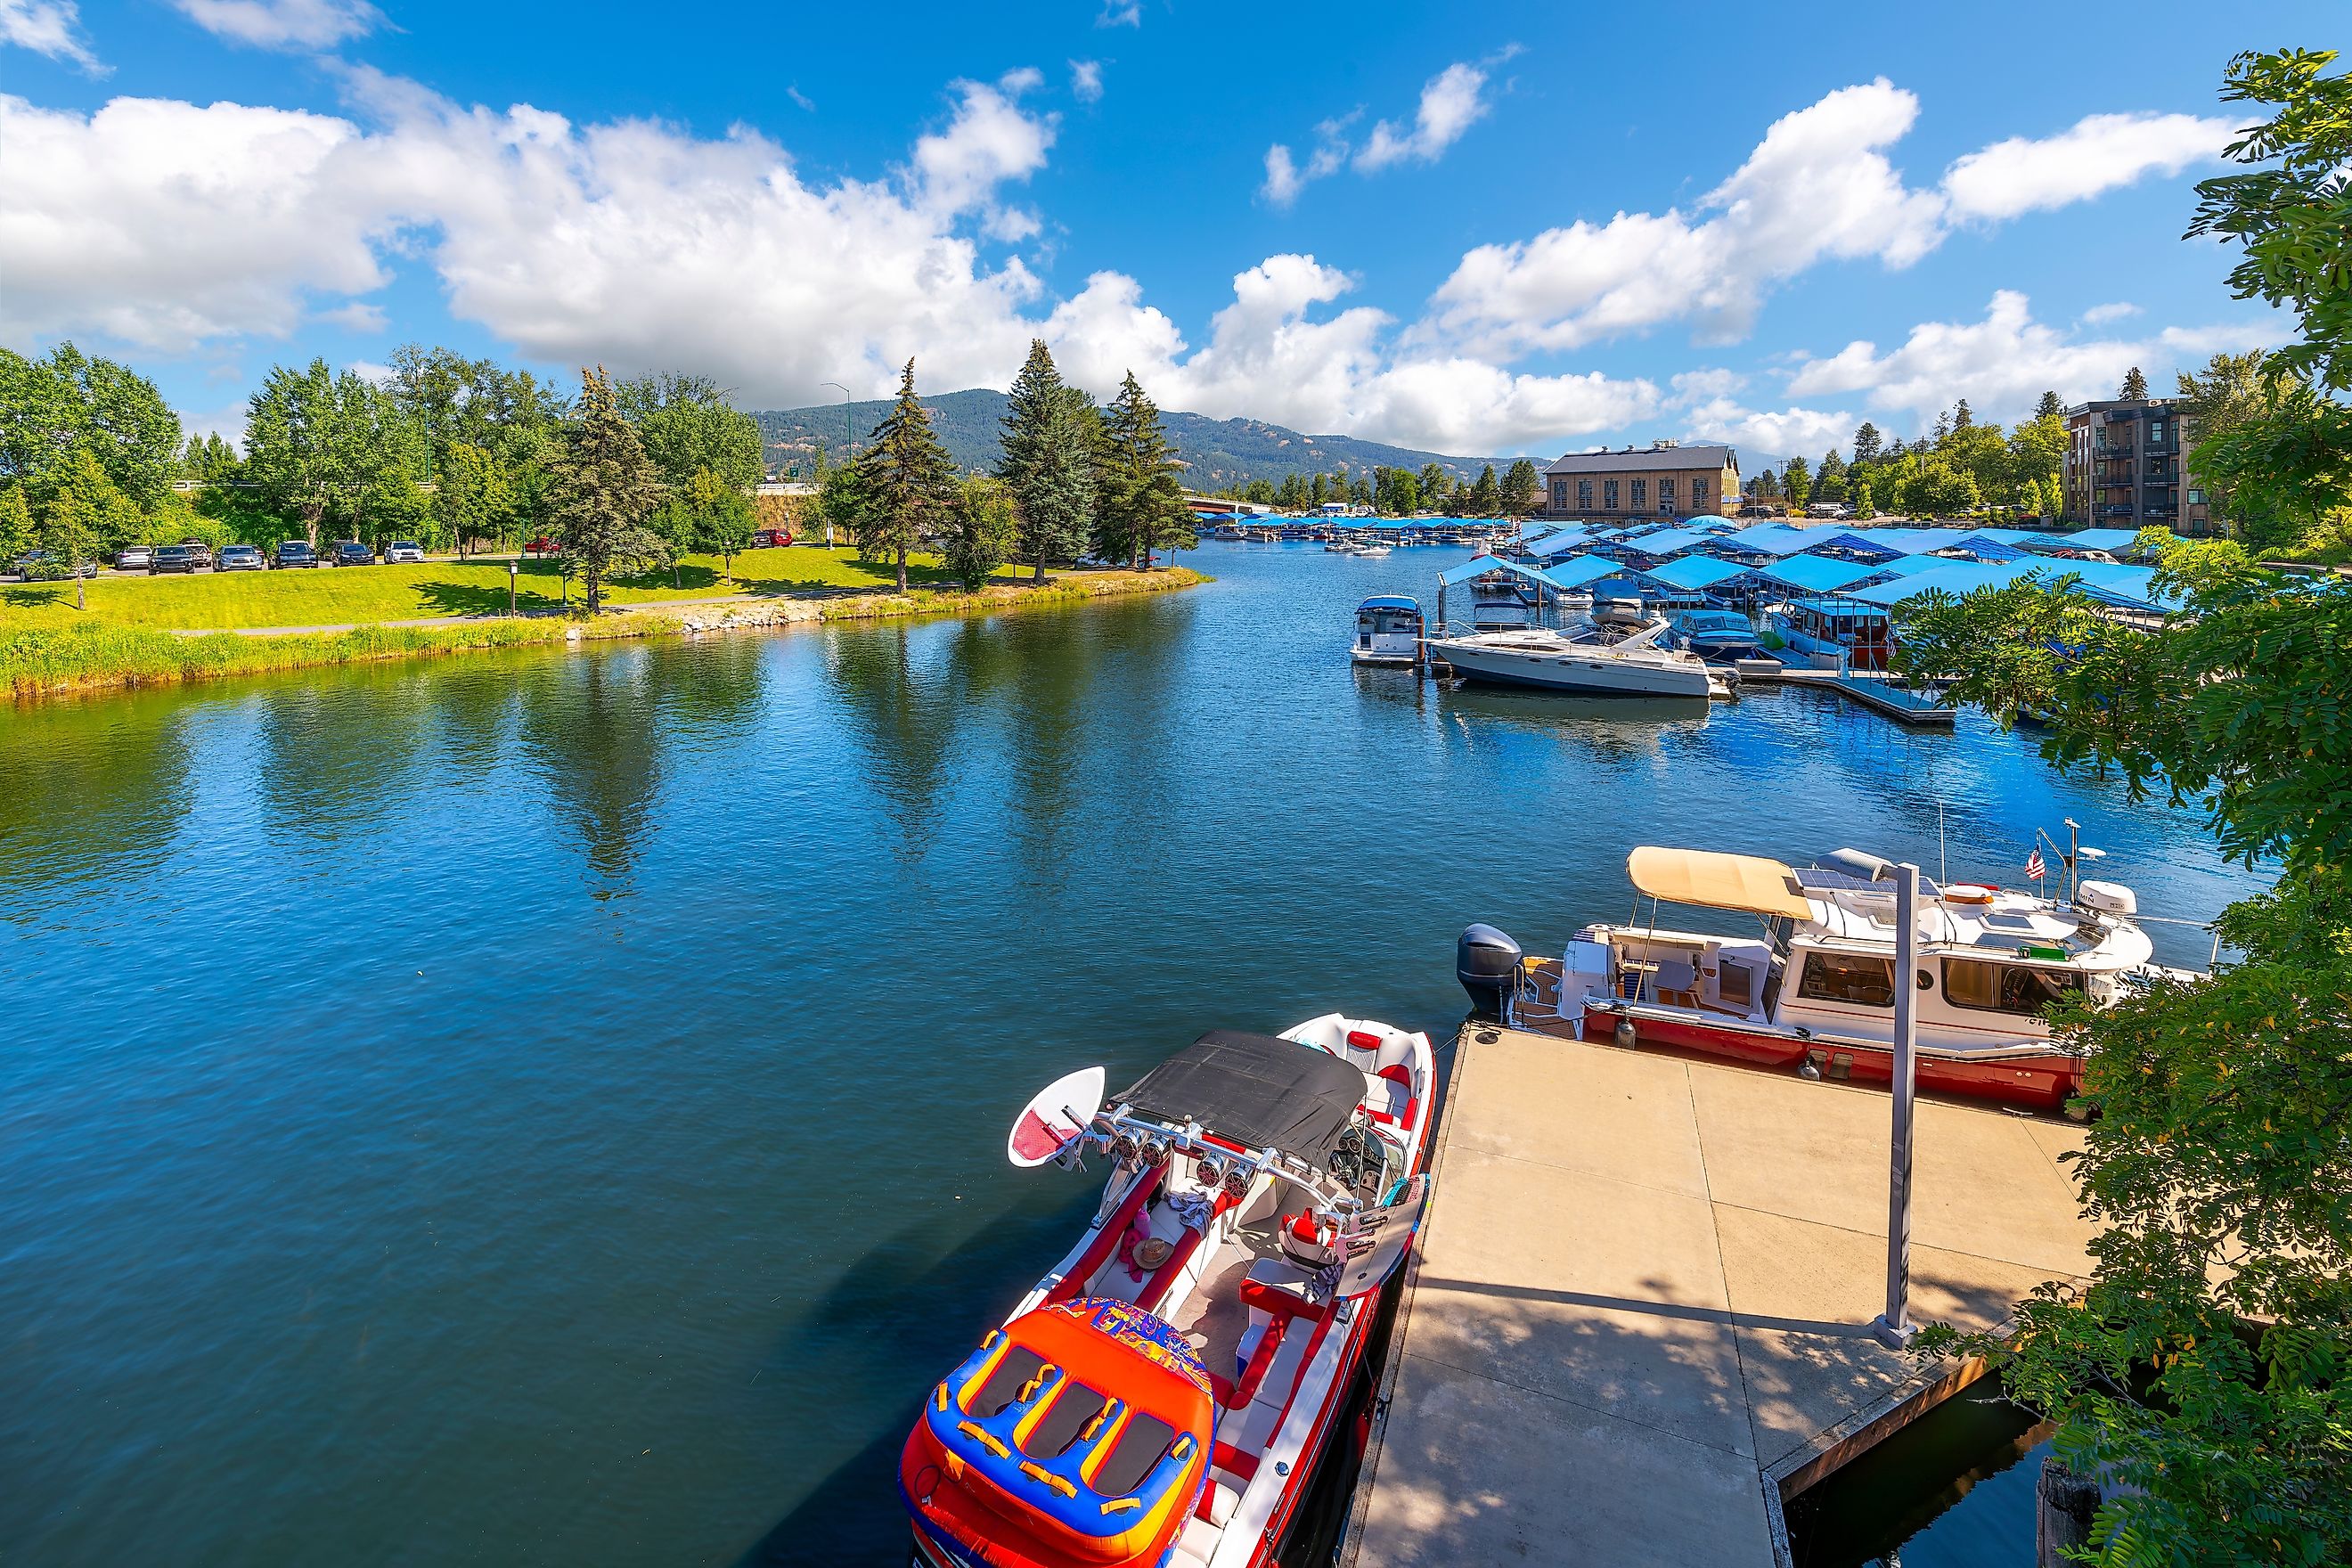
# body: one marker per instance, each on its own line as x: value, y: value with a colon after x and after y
x: 2034, y: 869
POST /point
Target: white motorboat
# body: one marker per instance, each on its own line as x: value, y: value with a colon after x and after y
x: 1388, y: 631
x: 1585, y: 662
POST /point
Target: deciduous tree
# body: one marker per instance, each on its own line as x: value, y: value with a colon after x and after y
x: 983, y: 536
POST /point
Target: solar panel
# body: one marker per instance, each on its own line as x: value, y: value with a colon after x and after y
x: 1821, y: 879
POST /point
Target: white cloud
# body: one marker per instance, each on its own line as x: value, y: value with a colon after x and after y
x: 800, y: 99
x: 359, y: 316
x: 51, y: 27
x: 369, y: 370
x: 1816, y: 187
x: 2002, y: 363
x: 1121, y: 14
x: 1085, y: 80
x: 1451, y: 102
x: 1696, y: 386
x: 990, y: 141
x: 165, y: 225
x: 226, y: 422
x: 2099, y: 315
x: 1787, y: 432
x: 284, y: 23
x: 2097, y: 153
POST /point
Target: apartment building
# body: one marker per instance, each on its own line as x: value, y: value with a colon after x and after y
x: 1669, y: 480
x: 2125, y: 468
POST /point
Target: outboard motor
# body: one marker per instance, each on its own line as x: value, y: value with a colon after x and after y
x: 1486, y: 962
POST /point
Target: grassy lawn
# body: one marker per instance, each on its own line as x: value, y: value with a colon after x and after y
x: 363, y: 595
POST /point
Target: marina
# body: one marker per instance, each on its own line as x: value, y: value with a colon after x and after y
x: 1680, y: 1345
x: 243, y: 1213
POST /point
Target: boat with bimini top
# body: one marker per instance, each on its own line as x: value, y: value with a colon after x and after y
x: 1388, y: 631
x: 1814, y: 988
x: 1160, y: 1399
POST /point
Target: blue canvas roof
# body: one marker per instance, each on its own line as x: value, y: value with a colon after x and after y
x: 1672, y: 541
x: 1952, y: 577
x: 1815, y: 573
x: 1912, y: 540
x: 1695, y: 572
x: 1580, y: 570
x: 1838, y: 606
x: 1910, y: 566
x: 2107, y: 539
x: 1985, y: 547
x: 1565, y: 575
x: 1389, y: 601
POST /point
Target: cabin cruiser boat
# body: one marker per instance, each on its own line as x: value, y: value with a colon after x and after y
x: 1160, y: 1399
x: 1831, y: 632
x: 1814, y: 989
x: 1497, y: 604
x: 1587, y: 662
x: 1388, y: 631
x: 1718, y: 636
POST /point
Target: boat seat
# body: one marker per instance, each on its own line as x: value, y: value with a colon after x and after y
x: 1279, y: 1289
x: 1674, y: 982
x: 1388, y: 1096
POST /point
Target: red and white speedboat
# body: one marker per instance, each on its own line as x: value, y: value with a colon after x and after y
x: 1160, y: 1398
x: 1814, y: 988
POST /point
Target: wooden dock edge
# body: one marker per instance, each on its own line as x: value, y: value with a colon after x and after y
x: 1351, y: 1540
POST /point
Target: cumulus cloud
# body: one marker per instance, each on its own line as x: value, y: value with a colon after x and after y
x: 2099, y: 315
x: 51, y: 27
x: 284, y: 23
x: 1819, y: 187
x: 2003, y: 363
x: 2099, y: 153
x: 1085, y: 80
x: 1121, y: 14
x: 1782, y: 433
x: 1451, y: 102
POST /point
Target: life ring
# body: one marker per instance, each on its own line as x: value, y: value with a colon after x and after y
x: 1971, y: 893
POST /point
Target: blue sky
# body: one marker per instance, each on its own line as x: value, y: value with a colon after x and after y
x: 1495, y: 229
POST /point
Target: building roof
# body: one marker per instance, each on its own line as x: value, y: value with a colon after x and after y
x: 1649, y: 460
x: 1816, y: 574
x: 1952, y: 577
x: 1668, y: 541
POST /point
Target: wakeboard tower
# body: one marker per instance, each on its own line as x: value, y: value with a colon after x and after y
x: 1161, y: 1397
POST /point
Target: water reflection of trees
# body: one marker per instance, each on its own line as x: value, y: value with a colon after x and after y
x: 904, y: 714
x: 94, y: 786
x: 334, y: 753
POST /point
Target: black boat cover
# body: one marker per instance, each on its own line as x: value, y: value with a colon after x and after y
x: 1255, y: 1090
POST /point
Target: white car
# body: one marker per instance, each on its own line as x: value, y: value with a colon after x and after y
x: 403, y: 553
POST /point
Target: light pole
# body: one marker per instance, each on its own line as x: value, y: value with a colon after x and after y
x: 849, y: 440
x: 1894, y: 1327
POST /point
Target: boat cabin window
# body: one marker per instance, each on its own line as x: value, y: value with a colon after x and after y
x: 2007, y: 987
x: 1851, y: 977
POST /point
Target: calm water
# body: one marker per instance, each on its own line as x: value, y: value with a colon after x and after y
x: 551, y: 1105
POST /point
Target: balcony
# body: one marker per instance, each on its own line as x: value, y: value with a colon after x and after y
x: 2124, y: 510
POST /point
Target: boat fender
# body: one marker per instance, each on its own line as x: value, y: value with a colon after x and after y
x: 1810, y: 1068
x: 1626, y: 1034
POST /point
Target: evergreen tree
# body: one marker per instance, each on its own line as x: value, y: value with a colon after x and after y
x: 604, y: 489
x: 1486, y: 496
x: 2134, y: 387
x: 2048, y: 408
x: 1320, y: 491
x: 1359, y: 489
x: 909, y: 481
x: 1798, y: 482
x: 1866, y: 441
x: 1140, y: 507
x: 1522, y: 491
x: 1048, y: 463
x: 1962, y: 416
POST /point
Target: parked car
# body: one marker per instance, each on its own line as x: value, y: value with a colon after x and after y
x: 771, y: 539
x: 40, y: 566
x: 350, y: 553
x: 542, y: 545
x: 294, y: 552
x: 133, y: 557
x: 403, y: 553
x: 203, y: 552
x: 174, y: 558
x: 238, y: 558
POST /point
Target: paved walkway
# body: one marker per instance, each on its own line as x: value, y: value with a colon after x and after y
x: 1638, y: 1311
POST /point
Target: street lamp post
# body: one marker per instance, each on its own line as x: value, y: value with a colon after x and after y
x: 849, y: 441
x: 1894, y: 1327
x: 514, y: 566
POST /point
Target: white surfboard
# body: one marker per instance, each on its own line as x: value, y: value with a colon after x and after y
x: 1061, y: 1111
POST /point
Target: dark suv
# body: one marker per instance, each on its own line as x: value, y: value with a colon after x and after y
x: 350, y: 553
x: 174, y: 558
x: 293, y: 553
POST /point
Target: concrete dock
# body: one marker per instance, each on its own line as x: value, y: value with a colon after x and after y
x: 1637, y: 1321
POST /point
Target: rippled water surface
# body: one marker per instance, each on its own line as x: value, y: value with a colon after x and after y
x: 551, y: 1105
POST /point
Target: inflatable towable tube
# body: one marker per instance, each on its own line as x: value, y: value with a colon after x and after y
x: 1076, y: 1435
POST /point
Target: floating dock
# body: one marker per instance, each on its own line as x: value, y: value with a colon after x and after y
x: 1637, y: 1320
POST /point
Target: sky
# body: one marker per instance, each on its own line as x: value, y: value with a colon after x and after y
x: 1491, y: 230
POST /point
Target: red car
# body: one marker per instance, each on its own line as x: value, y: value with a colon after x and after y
x: 542, y: 545
x: 771, y: 539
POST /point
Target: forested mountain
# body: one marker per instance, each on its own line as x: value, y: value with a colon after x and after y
x: 1215, y: 452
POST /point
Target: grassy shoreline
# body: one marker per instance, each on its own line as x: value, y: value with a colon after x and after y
x: 99, y: 656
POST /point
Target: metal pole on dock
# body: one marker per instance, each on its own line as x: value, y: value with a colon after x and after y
x: 1894, y: 1327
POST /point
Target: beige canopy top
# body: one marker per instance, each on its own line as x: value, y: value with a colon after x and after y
x: 1718, y: 882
